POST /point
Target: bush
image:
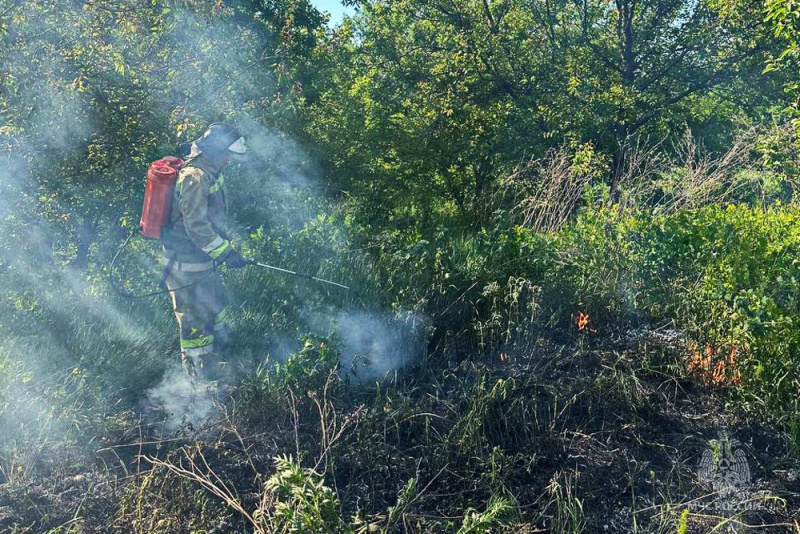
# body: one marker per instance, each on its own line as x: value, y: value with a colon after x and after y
x: 725, y: 275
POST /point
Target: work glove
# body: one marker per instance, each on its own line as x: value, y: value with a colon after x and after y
x: 233, y: 260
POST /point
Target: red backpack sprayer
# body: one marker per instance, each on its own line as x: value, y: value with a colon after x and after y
x: 158, y: 191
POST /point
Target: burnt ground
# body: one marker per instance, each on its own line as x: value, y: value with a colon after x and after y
x: 583, y: 435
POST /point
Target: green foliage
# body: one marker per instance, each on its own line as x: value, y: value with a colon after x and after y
x: 683, y: 523
x: 568, y: 516
x: 481, y: 169
x: 726, y: 275
x: 779, y: 148
x: 423, y: 108
x: 310, y: 367
x: 91, y: 95
x: 303, y: 503
x: 499, y: 513
x: 309, y: 371
x: 784, y: 17
x: 406, y: 497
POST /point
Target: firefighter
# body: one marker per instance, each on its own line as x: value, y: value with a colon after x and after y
x: 195, y: 244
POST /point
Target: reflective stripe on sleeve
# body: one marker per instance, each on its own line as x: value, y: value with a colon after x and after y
x: 216, y: 242
x: 216, y: 248
x: 218, y: 185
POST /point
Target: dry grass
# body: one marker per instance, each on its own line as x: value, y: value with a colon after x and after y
x: 549, y: 190
x: 551, y: 187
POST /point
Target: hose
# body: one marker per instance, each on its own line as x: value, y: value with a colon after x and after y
x: 127, y: 294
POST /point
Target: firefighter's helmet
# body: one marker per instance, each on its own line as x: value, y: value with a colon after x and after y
x: 221, y: 140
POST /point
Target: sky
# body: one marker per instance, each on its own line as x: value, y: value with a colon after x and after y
x: 334, y: 7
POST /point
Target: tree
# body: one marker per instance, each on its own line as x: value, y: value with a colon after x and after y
x: 784, y: 15
x: 424, y: 104
x: 93, y: 91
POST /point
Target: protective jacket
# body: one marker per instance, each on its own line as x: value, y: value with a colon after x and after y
x: 196, y: 230
x: 194, y: 238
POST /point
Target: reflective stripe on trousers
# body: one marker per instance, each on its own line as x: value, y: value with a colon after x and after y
x: 198, y: 351
x: 198, y: 298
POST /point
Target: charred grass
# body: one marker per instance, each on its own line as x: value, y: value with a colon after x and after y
x: 570, y: 435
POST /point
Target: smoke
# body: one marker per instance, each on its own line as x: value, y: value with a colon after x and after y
x: 371, y: 344
x: 281, y: 185
x: 56, y: 323
x: 54, y: 134
x: 276, y: 180
x: 179, y: 401
x: 221, y: 64
x: 73, y: 345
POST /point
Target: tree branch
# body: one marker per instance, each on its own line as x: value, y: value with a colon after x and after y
x: 489, y: 16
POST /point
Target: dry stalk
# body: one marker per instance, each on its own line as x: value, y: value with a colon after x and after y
x: 547, y: 191
x: 705, y: 180
x: 554, y: 190
x: 643, y: 164
x: 691, y: 178
x: 293, y: 409
x: 231, y: 428
x: 331, y: 430
x: 195, y: 467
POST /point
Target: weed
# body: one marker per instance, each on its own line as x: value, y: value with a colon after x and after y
x: 499, y: 513
x: 565, y: 509
x: 683, y: 523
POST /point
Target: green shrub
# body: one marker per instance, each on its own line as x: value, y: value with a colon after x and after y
x: 727, y: 276
x: 303, y: 503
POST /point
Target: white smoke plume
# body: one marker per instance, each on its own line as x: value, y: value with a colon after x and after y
x: 372, y: 345
x: 181, y: 402
x: 63, y: 114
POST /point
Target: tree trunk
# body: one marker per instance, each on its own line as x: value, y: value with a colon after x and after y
x: 618, y: 162
x: 86, y: 235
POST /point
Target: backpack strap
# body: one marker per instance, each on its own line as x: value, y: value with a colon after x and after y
x: 167, y: 270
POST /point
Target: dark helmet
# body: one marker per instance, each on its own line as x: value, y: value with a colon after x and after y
x: 221, y: 140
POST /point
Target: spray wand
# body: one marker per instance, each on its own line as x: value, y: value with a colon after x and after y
x: 301, y: 275
x: 310, y: 277
x: 163, y: 291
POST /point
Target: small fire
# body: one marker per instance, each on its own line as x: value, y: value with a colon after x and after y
x: 584, y: 323
x: 715, y: 368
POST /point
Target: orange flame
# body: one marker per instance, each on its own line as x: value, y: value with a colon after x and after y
x: 584, y: 323
x: 712, y: 369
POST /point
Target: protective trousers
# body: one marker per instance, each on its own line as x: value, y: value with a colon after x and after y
x: 200, y: 304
